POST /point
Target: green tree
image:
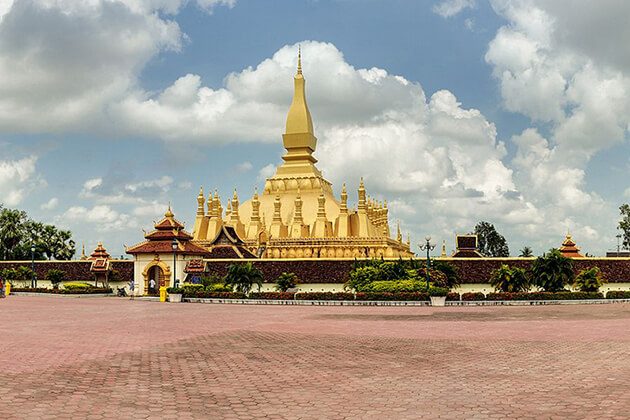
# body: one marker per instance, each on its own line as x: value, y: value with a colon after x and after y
x: 243, y: 277
x: 449, y: 270
x: 18, y: 233
x: 552, y: 271
x: 589, y: 280
x: 491, y: 243
x: 55, y: 277
x: 526, y: 252
x: 624, y: 224
x: 509, y: 279
x: 286, y: 281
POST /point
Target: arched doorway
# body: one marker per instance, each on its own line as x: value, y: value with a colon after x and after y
x: 156, y: 280
x: 156, y: 274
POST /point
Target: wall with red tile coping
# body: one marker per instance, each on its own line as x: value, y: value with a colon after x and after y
x: 472, y: 270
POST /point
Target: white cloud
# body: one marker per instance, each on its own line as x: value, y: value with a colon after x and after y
x: 449, y: 8
x: 103, y: 218
x: 244, y: 167
x: 17, y: 178
x: 266, y: 172
x: 50, y: 204
x: 65, y: 62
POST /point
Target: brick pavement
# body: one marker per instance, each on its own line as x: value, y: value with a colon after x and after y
x: 113, y: 358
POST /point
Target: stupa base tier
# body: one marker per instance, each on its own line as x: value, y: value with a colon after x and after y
x: 328, y: 248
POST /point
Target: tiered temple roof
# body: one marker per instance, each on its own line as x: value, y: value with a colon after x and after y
x: 297, y: 214
x: 160, y: 239
x: 100, y: 259
x: 569, y: 248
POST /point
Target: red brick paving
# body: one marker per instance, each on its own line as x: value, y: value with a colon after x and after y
x: 113, y: 358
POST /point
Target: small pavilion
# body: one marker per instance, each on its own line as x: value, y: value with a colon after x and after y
x: 569, y: 248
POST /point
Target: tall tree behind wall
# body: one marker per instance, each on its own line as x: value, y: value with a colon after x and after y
x: 18, y: 232
x: 491, y: 243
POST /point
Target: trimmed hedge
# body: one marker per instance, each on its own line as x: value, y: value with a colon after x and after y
x: 203, y: 294
x: 324, y: 296
x: 453, y: 296
x: 401, y: 296
x: 473, y: 296
x: 544, y: 296
x: 272, y: 295
x: 618, y: 294
x: 82, y: 291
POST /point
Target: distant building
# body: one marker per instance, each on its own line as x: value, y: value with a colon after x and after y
x: 569, y: 248
x: 466, y: 246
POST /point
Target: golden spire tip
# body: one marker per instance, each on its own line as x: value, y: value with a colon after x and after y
x: 299, y: 63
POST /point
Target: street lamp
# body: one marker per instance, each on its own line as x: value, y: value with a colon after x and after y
x: 174, y: 246
x: 428, y: 246
x: 33, y: 278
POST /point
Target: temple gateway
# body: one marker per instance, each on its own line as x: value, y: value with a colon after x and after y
x: 297, y: 215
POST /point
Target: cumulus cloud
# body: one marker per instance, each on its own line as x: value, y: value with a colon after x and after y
x: 555, y: 64
x: 50, y: 204
x: 449, y: 8
x: 64, y: 62
x: 103, y: 218
x: 17, y: 178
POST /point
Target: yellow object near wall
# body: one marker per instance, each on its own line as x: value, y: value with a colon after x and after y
x: 7, y: 289
x: 163, y: 294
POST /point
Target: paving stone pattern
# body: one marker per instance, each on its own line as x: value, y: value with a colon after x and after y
x: 114, y: 358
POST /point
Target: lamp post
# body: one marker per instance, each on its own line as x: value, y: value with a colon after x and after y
x: 174, y: 246
x: 33, y: 278
x: 618, y: 244
x: 428, y: 246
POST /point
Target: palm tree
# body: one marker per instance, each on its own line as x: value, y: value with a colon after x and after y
x: 242, y: 277
x: 553, y: 271
x: 526, y: 252
x: 507, y: 279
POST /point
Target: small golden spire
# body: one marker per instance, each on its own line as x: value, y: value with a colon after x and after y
x: 443, y: 249
x: 169, y: 213
x: 299, y: 66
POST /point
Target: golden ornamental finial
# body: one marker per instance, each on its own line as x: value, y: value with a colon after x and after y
x: 168, y: 213
x: 299, y: 64
x: 235, y: 196
x: 201, y: 191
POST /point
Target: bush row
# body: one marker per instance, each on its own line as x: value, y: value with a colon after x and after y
x: 80, y: 291
x: 409, y: 296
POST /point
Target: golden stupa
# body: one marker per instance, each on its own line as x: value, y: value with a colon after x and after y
x: 297, y: 215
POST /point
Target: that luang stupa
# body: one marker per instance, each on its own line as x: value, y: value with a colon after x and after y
x: 297, y: 215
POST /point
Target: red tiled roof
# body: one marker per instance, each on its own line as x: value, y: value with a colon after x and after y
x: 169, y: 234
x: 164, y: 247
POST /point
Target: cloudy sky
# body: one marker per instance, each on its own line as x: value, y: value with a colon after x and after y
x: 455, y: 111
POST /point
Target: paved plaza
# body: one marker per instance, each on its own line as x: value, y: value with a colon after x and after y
x: 99, y: 358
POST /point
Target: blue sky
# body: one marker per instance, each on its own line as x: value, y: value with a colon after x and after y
x: 514, y: 112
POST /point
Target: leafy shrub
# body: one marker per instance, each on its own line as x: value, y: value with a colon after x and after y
x: 176, y: 290
x: 242, y: 277
x: 286, y: 281
x: 218, y: 287
x: 438, y: 291
x: 394, y: 286
x: 452, y: 296
x: 272, y: 295
x: 210, y: 280
x: 399, y: 296
x: 618, y: 294
x: 76, y: 286
x: 509, y: 279
x: 324, y: 296
x: 192, y: 287
x: 436, y: 277
x: 361, y: 277
x: 553, y: 271
x: 589, y: 280
x: 20, y: 273
x: 473, y: 296
x: 450, y: 271
x: 55, y: 277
